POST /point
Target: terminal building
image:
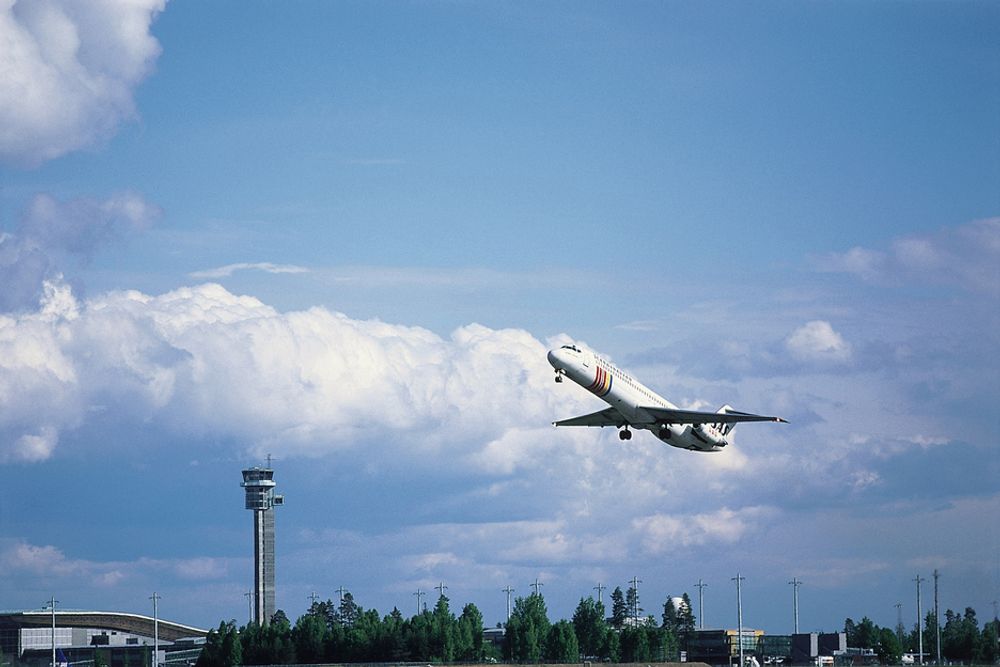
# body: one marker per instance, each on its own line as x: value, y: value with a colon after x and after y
x: 96, y: 638
x: 722, y: 647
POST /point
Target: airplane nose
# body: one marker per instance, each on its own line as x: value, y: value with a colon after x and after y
x: 554, y: 358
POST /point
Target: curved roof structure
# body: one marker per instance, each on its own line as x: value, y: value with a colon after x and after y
x: 136, y: 624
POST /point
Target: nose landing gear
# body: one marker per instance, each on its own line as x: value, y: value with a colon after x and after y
x: 559, y: 374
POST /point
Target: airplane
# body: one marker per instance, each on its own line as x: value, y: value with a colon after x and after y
x: 633, y: 405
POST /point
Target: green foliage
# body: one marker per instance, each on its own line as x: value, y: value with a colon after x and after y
x: 888, y: 649
x: 527, y: 630
x: 348, y: 633
x: 619, y: 610
x: 590, y: 627
x: 469, y: 645
x: 222, y: 647
x: 561, y: 645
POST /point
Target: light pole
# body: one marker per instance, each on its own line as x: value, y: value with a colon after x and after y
x: 600, y: 589
x: 795, y: 601
x: 937, y: 619
x: 418, y: 594
x: 920, y: 627
x: 635, y: 601
x: 508, y: 590
x: 701, y: 604
x: 249, y: 596
x: 739, y: 613
x: 156, y: 631
x: 52, y: 605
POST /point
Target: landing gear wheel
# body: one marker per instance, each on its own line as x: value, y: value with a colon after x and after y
x: 625, y: 434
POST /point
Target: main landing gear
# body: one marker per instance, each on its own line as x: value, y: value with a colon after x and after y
x: 625, y: 434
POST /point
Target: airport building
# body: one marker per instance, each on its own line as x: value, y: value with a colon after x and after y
x: 722, y: 647
x: 258, y: 483
x: 111, y: 638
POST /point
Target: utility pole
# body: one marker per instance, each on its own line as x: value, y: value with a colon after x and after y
x: 418, y: 594
x: 739, y: 613
x: 600, y: 589
x: 441, y: 588
x: 899, y: 622
x: 156, y: 631
x: 635, y: 601
x: 920, y: 625
x: 701, y: 604
x: 340, y: 591
x: 937, y: 619
x: 508, y: 590
x: 52, y: 605
x: 795, y: 601
x: 536, y: 585
x: 313, y: 597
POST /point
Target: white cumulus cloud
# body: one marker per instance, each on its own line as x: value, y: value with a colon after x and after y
x: 68, y: 71
x: 205, y: 361
x: 817, y: 341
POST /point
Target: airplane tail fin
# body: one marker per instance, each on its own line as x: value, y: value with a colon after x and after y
x: 725, y: 429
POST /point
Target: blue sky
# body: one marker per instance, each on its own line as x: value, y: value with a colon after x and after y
x: 346, y: 233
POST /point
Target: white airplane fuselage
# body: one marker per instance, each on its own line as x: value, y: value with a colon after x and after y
x: 636, y: 405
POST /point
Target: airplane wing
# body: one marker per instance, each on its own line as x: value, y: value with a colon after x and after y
x: 606, y: 417
x: 695, y: 417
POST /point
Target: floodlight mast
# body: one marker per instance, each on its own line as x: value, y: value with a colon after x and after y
x: 937, y: 619
x: 156, y: 630
x: 600, y: 588
x: 52, y: 605
x: 920, y: 627
x: 701, y: 604
x: 508, y: 590
x: 739, y: 613
x: 795, y: 583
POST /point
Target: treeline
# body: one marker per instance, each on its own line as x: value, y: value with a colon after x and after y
x: 346, y: 632
x: 961, y: 639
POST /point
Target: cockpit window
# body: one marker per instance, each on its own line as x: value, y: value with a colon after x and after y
x: 571, y: 347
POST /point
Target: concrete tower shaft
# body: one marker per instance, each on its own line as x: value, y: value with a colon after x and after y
x: 259, y: 484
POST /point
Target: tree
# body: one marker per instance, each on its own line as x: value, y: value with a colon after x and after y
x: 348, y: 611
x: 988, y: 649
x: 309, y: 637
x: 222, y: 647
x: 960, y: 635
x: 392, y: 642
x: 634, y: 644
x: 671, y: 620
x: 527, y: 630
x: 632, y: 604
x: 619, y: 612
x: 470, y: 634
x: 686, y: 620
x: 443, y: 633
x: 888, y: 650
x: 561, y: 645
x: 590, y: 626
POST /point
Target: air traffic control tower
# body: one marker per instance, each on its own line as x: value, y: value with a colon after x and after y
x: 259, y: 486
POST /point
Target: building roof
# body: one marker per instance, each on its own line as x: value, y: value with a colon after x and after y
x: 136, y: 624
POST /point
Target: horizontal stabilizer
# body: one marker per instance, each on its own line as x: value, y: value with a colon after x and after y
x: 694, y: 417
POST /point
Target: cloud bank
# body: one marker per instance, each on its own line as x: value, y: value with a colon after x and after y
x: 204, y: 361
x: 68, y: 71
